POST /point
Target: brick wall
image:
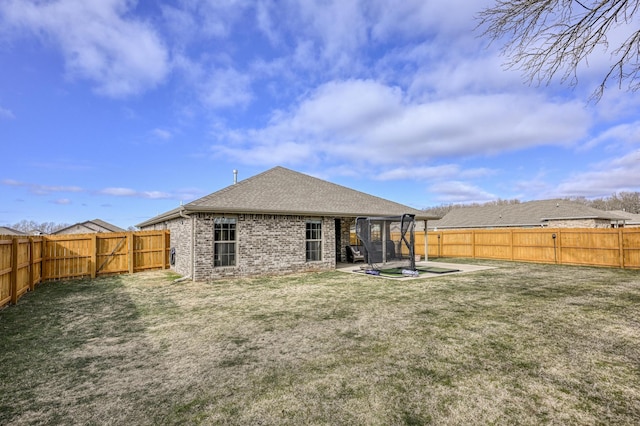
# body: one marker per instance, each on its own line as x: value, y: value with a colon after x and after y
x: 265, y: 244
x: 181, y: 241
x: 579, y: 223
x: 345, y: 231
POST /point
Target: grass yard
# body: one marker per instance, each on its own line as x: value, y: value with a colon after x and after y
x: 519, y: 344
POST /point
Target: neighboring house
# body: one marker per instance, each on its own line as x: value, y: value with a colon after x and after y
x: 5, y: 230
x: 547, y: 213
x: 632, y: 220
x: 89, y: 227
x: 279, y: 221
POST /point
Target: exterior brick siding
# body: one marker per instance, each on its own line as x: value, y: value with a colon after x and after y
x: 265, y: 244
x: 579, y: 223
x: 180, y: 239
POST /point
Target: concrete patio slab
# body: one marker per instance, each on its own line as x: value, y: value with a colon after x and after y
x: 359, y: 268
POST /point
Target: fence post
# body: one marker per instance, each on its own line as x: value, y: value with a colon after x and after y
x: 130, y: 245
x: 32, y: 285
x: 14, y: 270
x: 473, y: 244
x: 94, y: 255
x: 621, y: 245
x: 45, y: 260
x: 511, y: 243
x: 164, y: 249
x: 559, y: 246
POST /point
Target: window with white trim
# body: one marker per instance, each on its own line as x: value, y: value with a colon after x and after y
x: 224, y: 241
x: 314, y: 240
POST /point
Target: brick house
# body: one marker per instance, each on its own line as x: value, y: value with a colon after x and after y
x: 279, y: 221
x: 632, y: 220
x: 89, y: 227
x: 531, y: 214
x: 5, y: 230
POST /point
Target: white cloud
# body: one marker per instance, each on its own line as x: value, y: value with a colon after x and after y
x: 119, y: 192
x: 40, y: 189
x: 225, y: 88
x: 460, y: 192
x: 162, y: 134
x: 617, y: 136
x: 62, y: 201
x: 366, y: 122
x: 271, y: 155
x: 216, y: 87
x: 430, y: 173
x: 339, y: 28
x: 99, y: 40
x: 617, y: 174
x: 128, y: 192
x: 264, y: 11
x: 6, y: 114
x: 417, y: 18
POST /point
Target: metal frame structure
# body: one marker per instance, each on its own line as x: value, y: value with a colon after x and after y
x: 389, y: 241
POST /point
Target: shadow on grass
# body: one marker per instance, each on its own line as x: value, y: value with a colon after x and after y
x: 57, y: 345
x: 518, y: 344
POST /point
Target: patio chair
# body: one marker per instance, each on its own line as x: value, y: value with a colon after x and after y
x: 355, y: 254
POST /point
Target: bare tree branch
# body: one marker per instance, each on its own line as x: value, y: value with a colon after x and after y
x: 547, y: 38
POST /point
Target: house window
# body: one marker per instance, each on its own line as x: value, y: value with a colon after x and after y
x: 314, y: 240
x: 224, y: 244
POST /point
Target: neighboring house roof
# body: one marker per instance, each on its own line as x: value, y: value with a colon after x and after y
x: 529, y: 214
x: 95, y: 225
x: 632, y: 218
x: 5, y: 230
x: 283, y: 191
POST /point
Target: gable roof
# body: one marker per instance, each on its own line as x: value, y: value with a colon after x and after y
x: 632, y: 218
x: 283, y: 191
x: 5, y: 230
x: 529, y: 214
x: 103, y: 224
x: 95, y: 225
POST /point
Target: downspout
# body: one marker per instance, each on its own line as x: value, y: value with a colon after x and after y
x: 426, y: 246
x: 193, y: 241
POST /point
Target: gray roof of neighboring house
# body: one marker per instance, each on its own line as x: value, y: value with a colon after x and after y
x: 103, y: 224
x: 532, y: 213
x: 5, y: 230
x: 283, y: 191
x: 632, y: 218
x: 97, y: 225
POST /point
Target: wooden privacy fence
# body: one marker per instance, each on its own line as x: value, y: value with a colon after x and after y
x: 618, y: 248
x: 28, y: 261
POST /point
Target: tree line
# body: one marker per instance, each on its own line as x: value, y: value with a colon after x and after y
x: 33, y: 227
x: 627, y: 201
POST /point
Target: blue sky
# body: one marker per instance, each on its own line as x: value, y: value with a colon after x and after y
x: 120, y: 110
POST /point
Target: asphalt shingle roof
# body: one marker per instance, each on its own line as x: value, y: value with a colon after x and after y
x: 5, y: 230
x: 632, y: 218
x: 283, y: 191
x: 532, y: 213
x: 96, y: 225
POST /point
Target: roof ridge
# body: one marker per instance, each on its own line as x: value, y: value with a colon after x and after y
x: 231, y: 187
x: 280, y: 190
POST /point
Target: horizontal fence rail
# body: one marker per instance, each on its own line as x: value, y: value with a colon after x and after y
x: 619, y: 248
x: 28, y: 261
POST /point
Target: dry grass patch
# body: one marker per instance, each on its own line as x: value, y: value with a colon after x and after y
x: 522, y: 343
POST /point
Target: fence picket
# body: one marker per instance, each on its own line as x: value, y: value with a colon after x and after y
x: 27, y: 261
x: 570, y: 246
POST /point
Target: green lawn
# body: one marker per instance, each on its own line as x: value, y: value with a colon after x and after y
x: 519, y: 344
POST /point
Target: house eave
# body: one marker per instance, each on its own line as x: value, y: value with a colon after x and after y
x: 546, y: 219
x: 506, y: 225
x: 186, y: 210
